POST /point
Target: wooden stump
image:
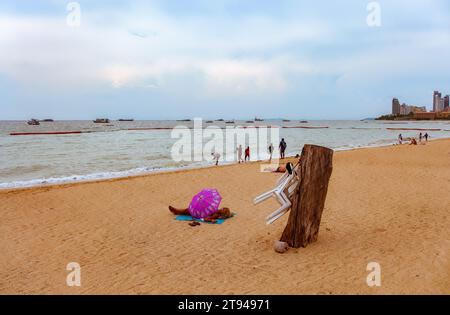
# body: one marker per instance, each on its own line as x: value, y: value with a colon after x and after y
x: 309, y: 199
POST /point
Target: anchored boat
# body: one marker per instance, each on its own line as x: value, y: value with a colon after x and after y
x: 33, y: 122
x: 102, y: 121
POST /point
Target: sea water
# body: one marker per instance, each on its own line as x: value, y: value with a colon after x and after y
x: 113, y: 150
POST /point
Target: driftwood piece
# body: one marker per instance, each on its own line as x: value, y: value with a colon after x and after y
x: 309, y: 199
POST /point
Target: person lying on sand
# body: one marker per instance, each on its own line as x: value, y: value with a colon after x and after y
x: 275, y: 169
x: 223, y: 213
x: 280, y: 169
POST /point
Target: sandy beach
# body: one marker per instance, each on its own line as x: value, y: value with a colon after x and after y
x: 389, y: 205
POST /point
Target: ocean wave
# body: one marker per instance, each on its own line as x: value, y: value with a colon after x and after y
x: 75, y: 178
x: 96, y: 176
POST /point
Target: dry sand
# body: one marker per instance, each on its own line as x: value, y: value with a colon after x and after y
x: 388, y: 205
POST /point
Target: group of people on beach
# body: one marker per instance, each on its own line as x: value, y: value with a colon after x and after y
x: 282, y: 146
x: 239, y: 150
x: 239, y: 154
x: 413, y: 140
x: 225, y: 213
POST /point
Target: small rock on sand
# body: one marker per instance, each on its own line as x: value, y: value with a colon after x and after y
x: 281, y: 247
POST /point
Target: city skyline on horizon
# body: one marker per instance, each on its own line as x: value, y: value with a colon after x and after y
x: 439, y: 103
x: 158, y: 60
x: 394, y: 100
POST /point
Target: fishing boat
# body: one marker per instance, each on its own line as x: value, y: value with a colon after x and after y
x: 184, y: 120
x: 230, y: 122
x: 122, y: 119
x: 209, y: 122
x: 102, y: 121
x: 249, y: 121
x: 47, y: 120
x: 33, y: 122
x: 258, y: 119
x: 286, y: 120
x: 219, y: 120
x: 304, y: 122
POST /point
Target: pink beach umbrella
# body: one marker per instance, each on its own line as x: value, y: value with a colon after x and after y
x: 205, y: 203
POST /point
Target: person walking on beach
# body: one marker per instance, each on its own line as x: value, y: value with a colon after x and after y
x: 426, y: 137
x: 239, y: 153
x: 216, y: 157
x: 400, y: 139
x: 247, y: 154
x: 420, y: 137
x: 270, y: 152
x: 283, y: 147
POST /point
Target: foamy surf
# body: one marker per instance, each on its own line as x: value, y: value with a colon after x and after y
x: 95, y: 176
x: 74, y: 178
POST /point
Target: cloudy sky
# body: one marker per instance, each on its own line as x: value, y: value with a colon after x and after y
x: 167, y: 59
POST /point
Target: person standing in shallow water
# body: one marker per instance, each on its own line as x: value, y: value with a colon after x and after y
x: 247, y: 154
x: 270, y: 152
x: 239, y: 153
x: 283, y: 147
x: 216, y: 157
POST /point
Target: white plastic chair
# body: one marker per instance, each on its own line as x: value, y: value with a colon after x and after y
x: 286, y: 184
x: 286, y: 206
x: 285, y: 180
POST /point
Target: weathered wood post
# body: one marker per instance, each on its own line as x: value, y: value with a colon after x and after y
x: 309, y: 199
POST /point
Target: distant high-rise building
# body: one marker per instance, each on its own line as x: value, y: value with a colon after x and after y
x: 405, y: 109
x: 446, y: 101
x: 395, y: 107
x: 437, y: 97
x: 441, y: 105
